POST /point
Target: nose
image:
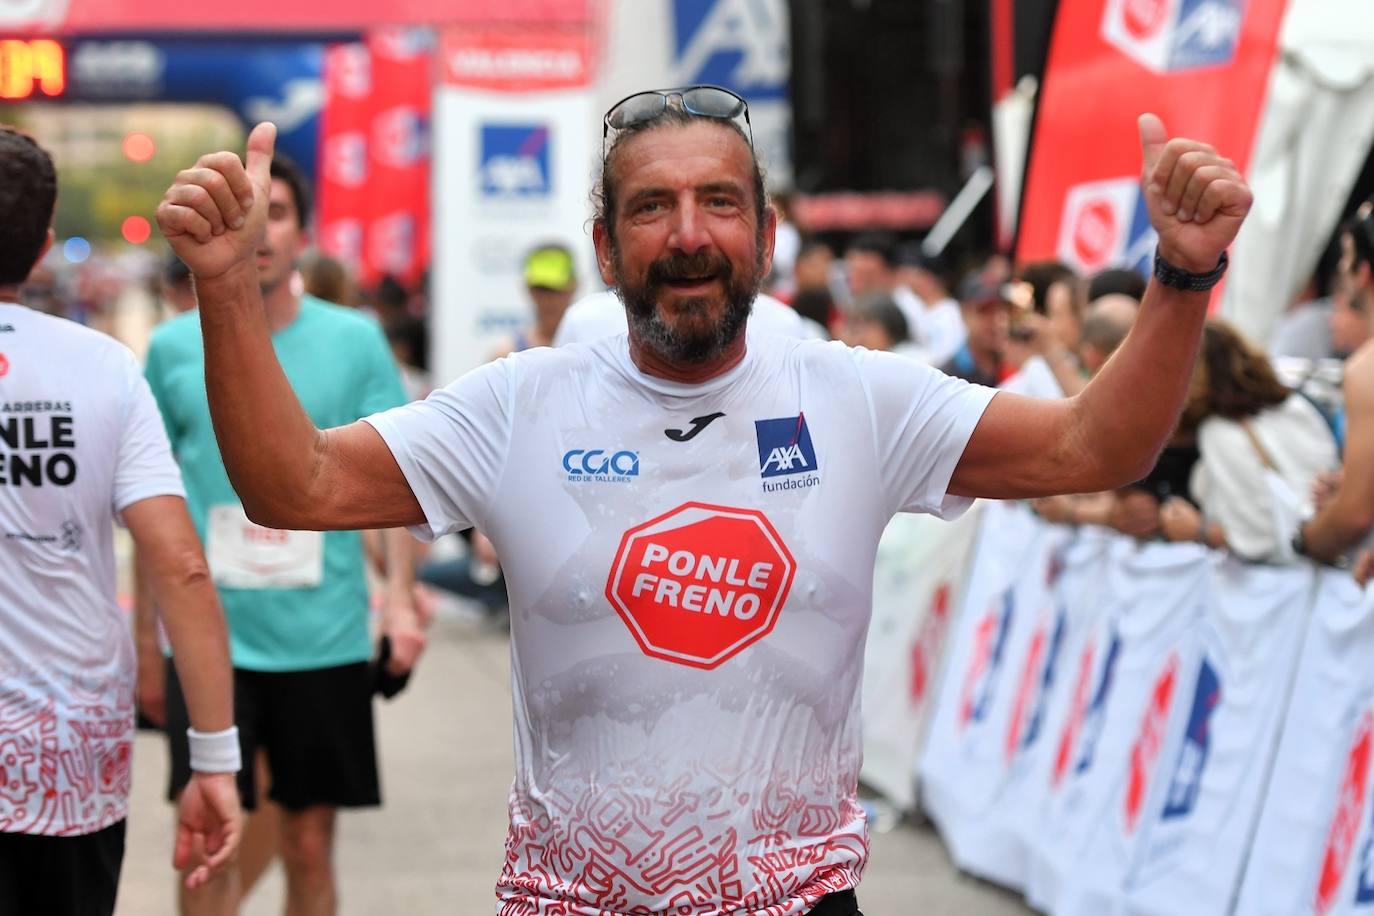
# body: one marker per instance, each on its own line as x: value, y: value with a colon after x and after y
x: 689, y: 234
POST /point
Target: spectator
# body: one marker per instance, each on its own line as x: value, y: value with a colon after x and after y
x: 1303, y: 331
x: 876, y: 322
x: 1344, y: 523
x: 329, y: 279
x: 551, y: 279
x: 870, y: 264
x: 941, y: 330
x: 1260, y: 447
x: 1116, y: 281
x: 177, y: 291
x: 987, y: 316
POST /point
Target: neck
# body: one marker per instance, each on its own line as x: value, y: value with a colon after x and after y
x: 651, y: 363
x: 281, y: 304
x: 988, y: 361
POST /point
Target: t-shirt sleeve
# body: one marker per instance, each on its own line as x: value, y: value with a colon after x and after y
x: 380, y: 379
x: 453, y: 446
x: 922, y: 420
x: 145, y: 466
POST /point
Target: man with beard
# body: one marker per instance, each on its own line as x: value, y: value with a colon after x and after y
x: 688, y: 515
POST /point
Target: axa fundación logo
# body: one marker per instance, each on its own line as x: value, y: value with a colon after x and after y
x: 786, y: 450
x: 599, y: 465
x: 1169, y: 36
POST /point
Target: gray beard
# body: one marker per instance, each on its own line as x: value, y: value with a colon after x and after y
x: 686, y: 347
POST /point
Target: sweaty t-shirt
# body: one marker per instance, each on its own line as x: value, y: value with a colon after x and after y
x: 690, y: 571
x: 80, y: 441
x: 294, y: 601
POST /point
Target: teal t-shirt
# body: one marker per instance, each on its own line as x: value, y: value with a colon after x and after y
x: 340, y: 367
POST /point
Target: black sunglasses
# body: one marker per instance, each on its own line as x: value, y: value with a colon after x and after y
x: 702, y: 101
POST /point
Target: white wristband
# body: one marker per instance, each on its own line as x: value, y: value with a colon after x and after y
x: 215, y: 752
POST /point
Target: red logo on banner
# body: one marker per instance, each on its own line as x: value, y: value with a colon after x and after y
x: 348, y: 71
x: 1077, y: 708
x: 699, y: 584
x: 1023, y: 693
x: 517, y: 61
x: 345, y: 159
x: 399, y: 137
x: 1095, y: 232
x: 391, y: 242
x: 4, y: 365
x: 1144, y: 18
x: 1150, y: 741
x: 927, y: 646
x: 1345, y: 824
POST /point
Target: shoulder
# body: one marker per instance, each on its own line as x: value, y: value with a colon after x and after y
x: 78, y: 342
x: 1359, y: 379
x: 341, y: 319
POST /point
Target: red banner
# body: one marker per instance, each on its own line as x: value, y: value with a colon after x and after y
x: 275, y: 15
x: 1201, y: 65
x: 374, y: 155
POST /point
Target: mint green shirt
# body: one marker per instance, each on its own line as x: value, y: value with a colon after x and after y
x: 340, y: 367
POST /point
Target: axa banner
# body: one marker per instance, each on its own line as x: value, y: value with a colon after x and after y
x: 995, y: 669
x: 1201, y: 65
x: 741, y: 44
x: 271, y: 15
x: 519, y: 130
x: 1313, y: 851
x: 918, y: 584
x: 1196, y: 837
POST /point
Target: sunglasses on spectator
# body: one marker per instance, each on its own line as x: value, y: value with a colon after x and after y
x: 701, y: 101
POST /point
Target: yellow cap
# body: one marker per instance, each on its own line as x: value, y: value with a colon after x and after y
x: 550, y: 268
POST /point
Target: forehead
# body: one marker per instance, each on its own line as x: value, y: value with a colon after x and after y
x: 683, y: 156
x: 280, y: 194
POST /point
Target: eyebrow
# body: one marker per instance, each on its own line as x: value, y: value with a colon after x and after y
x: 713, y: 187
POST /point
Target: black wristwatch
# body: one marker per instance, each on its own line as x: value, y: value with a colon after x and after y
x: 1176, y: 277
x: 1300, y: 541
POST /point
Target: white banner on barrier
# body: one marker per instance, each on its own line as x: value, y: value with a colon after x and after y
x: 991, y: 688
x: 1159, y: 591
x: 1313, y: 851
x: 1196, y: 839
x: 918, y: 583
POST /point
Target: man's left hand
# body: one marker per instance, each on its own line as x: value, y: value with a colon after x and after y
x: 209, y: 827
x: 1195, y: 197
x: 404, y: 623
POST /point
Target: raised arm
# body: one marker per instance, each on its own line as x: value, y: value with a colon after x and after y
x: 288, y: 473
x: 1111, y: 432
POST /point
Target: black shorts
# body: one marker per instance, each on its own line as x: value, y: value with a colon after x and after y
x: 316, y: 727
x: 842, y: 904
x: 61, y: 875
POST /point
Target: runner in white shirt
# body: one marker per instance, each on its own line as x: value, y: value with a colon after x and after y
x: 689, y: 515
x: 81, y: 448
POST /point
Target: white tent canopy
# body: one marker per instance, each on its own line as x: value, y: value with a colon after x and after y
x: 1314, y: 135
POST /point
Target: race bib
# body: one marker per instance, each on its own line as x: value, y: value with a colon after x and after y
x: 243, y: 554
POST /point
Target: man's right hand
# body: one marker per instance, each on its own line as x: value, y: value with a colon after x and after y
x: 215, y: 213
x: 209, y: 827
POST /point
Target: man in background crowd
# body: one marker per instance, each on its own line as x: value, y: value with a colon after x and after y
x: 1344, y: 523
x: 551, y: 280
x: 987, y: 318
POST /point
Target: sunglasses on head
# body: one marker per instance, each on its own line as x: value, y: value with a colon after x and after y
x: 701, y: 101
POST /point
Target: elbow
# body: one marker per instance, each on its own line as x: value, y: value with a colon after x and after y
x: 278, y: 514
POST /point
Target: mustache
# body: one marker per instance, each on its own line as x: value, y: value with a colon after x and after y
x: 675, y: 267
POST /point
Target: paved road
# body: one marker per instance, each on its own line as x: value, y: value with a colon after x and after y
x: 436, y: 846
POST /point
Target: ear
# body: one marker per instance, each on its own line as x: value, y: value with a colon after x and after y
x: 604, y: 258
x: 770, y: 238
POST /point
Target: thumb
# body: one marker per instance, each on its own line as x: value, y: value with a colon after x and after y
x: 260, y: 145
x: 1153, y: 138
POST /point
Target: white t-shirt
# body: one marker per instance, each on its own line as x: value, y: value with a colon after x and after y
x: 690, y: 571
x: 939, y: 331
x: 603, y: 315
x: 1228, y: 479
x: 80, y: 440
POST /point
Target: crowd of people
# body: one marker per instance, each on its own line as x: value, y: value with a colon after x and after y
x: 687, y: 445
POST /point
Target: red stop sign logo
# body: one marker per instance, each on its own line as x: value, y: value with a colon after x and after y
x: 1144, y: 18
x: 699, y: 584
x: 1095, y: 232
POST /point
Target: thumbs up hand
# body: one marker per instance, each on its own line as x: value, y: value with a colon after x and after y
x: 215, y: 213
x: 1195, y: 197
